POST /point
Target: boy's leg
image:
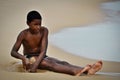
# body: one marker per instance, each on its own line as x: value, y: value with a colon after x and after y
x: 64, y: 67
x: 60, y: 66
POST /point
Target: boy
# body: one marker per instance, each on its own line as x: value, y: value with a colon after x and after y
x: 35, y: 42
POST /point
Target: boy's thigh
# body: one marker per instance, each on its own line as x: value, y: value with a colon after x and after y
x: 58, y: 61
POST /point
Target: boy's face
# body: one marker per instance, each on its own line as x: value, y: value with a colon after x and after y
x: 35, y: 25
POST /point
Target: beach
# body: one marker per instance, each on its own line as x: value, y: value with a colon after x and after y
x: 58, y: 16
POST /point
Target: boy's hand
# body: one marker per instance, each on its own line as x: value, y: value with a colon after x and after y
x: 32, y: 63
x: 33, y: 70
x: 26, y: 64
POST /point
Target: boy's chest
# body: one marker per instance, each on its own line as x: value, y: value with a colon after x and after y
x: 33, y: 39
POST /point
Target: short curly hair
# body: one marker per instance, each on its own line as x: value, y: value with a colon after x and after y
x: 33, y: 15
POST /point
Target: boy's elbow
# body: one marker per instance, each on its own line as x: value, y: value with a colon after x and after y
x: 12, y: 53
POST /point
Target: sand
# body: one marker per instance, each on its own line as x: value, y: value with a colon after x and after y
x: 57, y: 15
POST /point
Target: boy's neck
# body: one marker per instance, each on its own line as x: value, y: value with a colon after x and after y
x: 33, y: 32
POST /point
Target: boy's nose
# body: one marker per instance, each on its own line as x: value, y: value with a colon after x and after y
x: 38, y: 27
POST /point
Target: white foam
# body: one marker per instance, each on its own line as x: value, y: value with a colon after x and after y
x: 97, y: 41
x: 109, y: 73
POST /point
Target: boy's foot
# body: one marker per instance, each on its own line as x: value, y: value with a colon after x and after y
x: 86, y: 68
x: 95, y: 67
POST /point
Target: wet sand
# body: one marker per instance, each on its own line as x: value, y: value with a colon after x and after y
x: 56, y: 16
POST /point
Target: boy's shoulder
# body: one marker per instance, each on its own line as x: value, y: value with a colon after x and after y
x: 44, y: 28
x: 23, y: 32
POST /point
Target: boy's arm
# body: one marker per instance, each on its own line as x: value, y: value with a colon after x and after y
x: 14, y: 51
x: 44, y: 45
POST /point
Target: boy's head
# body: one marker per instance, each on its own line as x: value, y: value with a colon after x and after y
x: 33, y: 15
x: 34, y: 21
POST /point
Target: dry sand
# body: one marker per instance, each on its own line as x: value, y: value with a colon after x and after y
x: 57, y: 14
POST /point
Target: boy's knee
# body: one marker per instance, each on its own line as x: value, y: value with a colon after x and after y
x: 64, y: 62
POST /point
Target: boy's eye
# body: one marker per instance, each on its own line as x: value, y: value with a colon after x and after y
x: 36, y: 24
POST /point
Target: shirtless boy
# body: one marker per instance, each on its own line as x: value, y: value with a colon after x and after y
x: 35, y: 41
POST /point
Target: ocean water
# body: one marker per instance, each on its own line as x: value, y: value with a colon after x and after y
x: 100, y: 41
